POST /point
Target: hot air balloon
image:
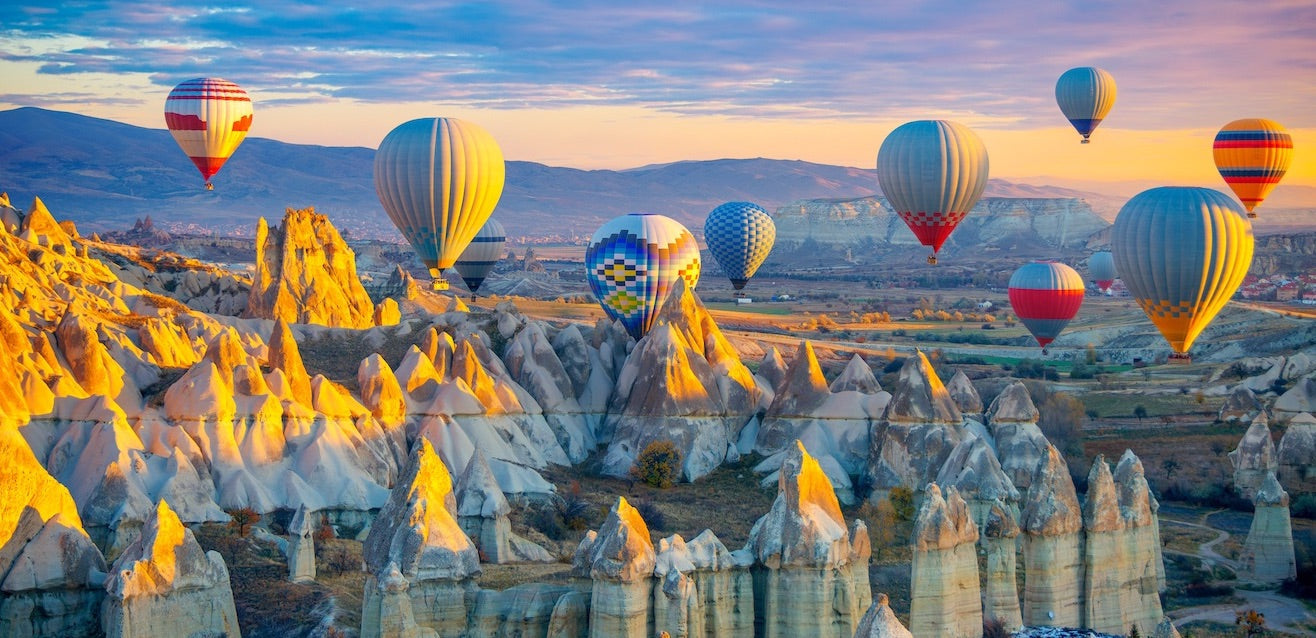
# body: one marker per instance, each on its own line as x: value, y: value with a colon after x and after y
x: 932, y: 173
x: 1252, y: 155
x: 483, y: 253
x: 1182, y: 252
x: 1102, y: 268
x: 740, y: 236
x: 1085, y: 95
x: 1045, y: 295
x: 209, y: 118
x: 439, y: 179
x: 632, y: 262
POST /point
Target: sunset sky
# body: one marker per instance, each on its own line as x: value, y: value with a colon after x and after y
x: 620, y: 84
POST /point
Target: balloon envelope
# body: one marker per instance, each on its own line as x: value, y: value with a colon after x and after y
x: 632, y: 262
x: 1085, y: 95
x: 1045, y: 296
x: 1252, y: 155
x: 482, y: 254
x: 209, y: 118
x: 439, y: 179
x: 1102, y: 268
x: 740, y: 236
x: 1182, y: 252
x: 932, y: 172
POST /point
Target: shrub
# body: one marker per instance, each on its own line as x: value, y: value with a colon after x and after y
x: 1304, y: 506
x: 652, y: 514
x: 241, y: 520
x: 325, y: 531
x: 658, y: 465
x: 1061, y: 420
x: 1082, y: 371
x: 548, y: 522
x: 902, y: 499
x: 994, y: 628
x: 572, y: 508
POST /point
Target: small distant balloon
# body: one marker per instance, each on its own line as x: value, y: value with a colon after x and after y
x: 633, y: 261
x: 1182, y: 252
x: 1101, y: 266
x: 1085, y: 95
x: 439, y: 179
x: 1252, y: 155
x: 1045, y: 295
x: 209, y: 118
x: 740, y: 236
x: 932, y: 172
x: 481, y: 255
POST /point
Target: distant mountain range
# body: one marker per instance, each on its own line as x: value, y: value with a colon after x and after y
x: 105, y: 174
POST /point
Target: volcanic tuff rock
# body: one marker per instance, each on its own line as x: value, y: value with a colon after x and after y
x: 917, y: 431
x: 880, y: 622
x: 811, y: 575
x: 965, y: 396
x: 1254, y: 457
x: 165, y: 584
x: 301, y: 547
x: 534, y: 363
x: 1298, y: 399
x: 620, y: 560
x: 1119, y: 569
x: 773, y: 368
x: 682, y: 383
x: 1268, y: 552
x: 1020, y: 445
x: 1000, y: 592
x: 1052, y: 523
x: 945, y: 597
x: 856, y: 376
x: 703, y: 589
x: 482, y: 511
x: 1241, y: 406
x: 973, y: 470
x: 1296, y: 456
x: 305, y: 273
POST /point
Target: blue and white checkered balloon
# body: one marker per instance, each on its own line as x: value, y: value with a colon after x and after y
x: 740, y: 236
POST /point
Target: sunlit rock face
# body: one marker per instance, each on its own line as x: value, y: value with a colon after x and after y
x: 165, y: 584
x: 1296, y: 456
x: 620, y: 561
x: 682, y: 383
x: 702, y: 588
x: 1052, y: 524
x: 305, y: 273
x: 810, y: 573
x: 945, y: 598
x: 917, y: 431
x: 833, y: 422
x: 1268, y: 552
x: 1254, y: 457
x: 1020, y: 445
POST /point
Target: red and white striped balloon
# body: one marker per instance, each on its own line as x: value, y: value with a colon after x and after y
x: 209, y: 118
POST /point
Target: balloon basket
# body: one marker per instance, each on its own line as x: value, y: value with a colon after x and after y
x: 932, y: 259
x: 1180, y: 358
x: 209, y: 186
x: 1086, y: 141
x: 1251, y: 215
x: 438, y: 285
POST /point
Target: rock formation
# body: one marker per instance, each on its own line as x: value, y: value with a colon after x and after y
x: 945, y: 598
x: 620, y: 561
x: 1052, y: 524
x: 1165, y: 629
x: 1296, y: 456
x: 1119, y: 576
x: 420, y: 563
x: 773, y: 369
x: 1000, y: 590
x: 1254, y: 457
x: 482, y: 511
x: 1241, y: 406
x: 1020, y: 445
x: 703, y: 589
x: 682, y: 383
x: 164, y: 584
x: 965, y: 396
x: 811, y: 576
x: 535, y: 364
x: 301, y: 547
x: 1268, y: 552
x: 881, y: 622
x: 1296, y: 400
x: 856, y: 376
x: 305, y: 273
x: 917, y: 431
x: 973, y: 470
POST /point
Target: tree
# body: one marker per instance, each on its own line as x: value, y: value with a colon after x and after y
x: 1140, y: 412
x: 902, y: 501
x: 1061, y: 420
x: 1170, y: 466
x: 1133, y: 632
x: 1252, y: 621
x: 241, y: 520
x: 659, y: 464
x: 1091, y: 354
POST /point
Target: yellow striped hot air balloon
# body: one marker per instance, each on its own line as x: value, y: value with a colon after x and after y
x: 1182, y: 252
x: 209, y: 118
x: 1252, y: 155
x: 439, y: 179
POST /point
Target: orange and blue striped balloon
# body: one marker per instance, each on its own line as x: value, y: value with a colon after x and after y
x: 1252, y: 155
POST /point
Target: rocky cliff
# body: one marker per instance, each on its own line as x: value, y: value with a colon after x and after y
x: 305, y: 273
x: 945, y: 599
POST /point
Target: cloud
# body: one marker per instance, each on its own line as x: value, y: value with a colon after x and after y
x: 1177, y: 62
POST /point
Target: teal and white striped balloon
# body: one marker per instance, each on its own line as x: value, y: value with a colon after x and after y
x: 482, y: 254
x: 740, y: 236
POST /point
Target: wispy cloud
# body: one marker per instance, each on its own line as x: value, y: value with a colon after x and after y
x: 1180, y: 62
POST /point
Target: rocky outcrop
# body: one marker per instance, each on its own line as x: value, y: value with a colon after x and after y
x: 856, y: 376
x: 703, y: 589
x: 917, y: 431
x: 773, y: 369
x: 965, y: 396
x: 810, y: 575
x: 682, y: 383
x: 1165, y: 629
x: 620, y: 561
x: 1296, y: 456
x: 535, y: 364
x: 1254, y: 457
x: 1020, y: 445
x: 1119, y: 575
x: 301, y: 547
x: 1000, y: 590
x: 1241, y: 406
x: 305, y: 273
x: 973, y: 470
x: 419, y: 561
x: 1052, y: 524
x: 880, y: 622
x: 482, y: 511
x: 945, y: 599
x: 1268, y: 552
x: 1296, y: 400
x: 165, y: 584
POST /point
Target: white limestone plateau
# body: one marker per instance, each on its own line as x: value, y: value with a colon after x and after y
x: 1268, y: 555
x: 1254, y: 457
x: 945, y: 598
x: 1296, y: 456
x: 165, y: 584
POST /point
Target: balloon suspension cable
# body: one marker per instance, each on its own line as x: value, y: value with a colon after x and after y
x: 209, y: 186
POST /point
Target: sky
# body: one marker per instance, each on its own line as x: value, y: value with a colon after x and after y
x: 623, y: 84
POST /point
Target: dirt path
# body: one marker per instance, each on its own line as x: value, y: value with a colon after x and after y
x: 1206, y: 551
